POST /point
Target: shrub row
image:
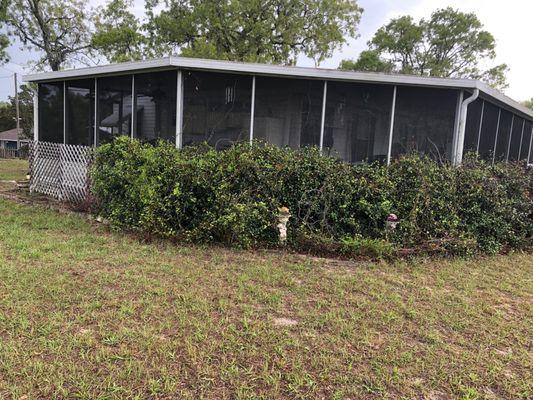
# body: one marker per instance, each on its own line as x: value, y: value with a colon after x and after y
x: 233, y: 196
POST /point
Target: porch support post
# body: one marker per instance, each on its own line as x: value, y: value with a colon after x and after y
x: 96, y: 122
x: 64, y: 112
x: 36, y: 114
x: 179, y: 110
x: 132, y: 133
x: 391, y: 124
x: 323, y: 116
x: 252, y: 111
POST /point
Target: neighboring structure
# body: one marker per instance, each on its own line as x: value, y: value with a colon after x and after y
x: 10, y: 140
x: 358, y: 116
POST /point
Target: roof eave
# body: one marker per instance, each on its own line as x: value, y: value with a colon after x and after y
x: 280, y: 71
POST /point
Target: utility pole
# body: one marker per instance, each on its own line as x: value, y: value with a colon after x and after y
x: 17, y: 109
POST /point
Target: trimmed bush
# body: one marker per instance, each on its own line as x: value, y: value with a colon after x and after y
x: 233, y: 196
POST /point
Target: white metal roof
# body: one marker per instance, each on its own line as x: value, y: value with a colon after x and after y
x: 283, y: 71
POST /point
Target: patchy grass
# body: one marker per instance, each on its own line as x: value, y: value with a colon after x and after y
x: 87, y: 313
x: 13, y: 169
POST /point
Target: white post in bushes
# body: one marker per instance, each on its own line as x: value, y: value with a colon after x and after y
x: 480, y: 125
x: 252, y: 111
x: 496, y: 136
x: 323, y: 117
x: 391, y: 124
x: 179, y: 110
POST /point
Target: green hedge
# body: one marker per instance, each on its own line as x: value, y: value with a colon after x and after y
x: 233, y: 196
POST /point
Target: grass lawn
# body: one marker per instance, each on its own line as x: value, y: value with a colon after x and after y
x: 91, y: 314
x: 13, y: 169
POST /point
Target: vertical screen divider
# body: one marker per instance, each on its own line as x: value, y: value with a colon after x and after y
x: 391, y: 125
x: 480, y: 125
x: 510, y: 137
x: 521, y: 138
x: 496, y: 136
x: 179, y: 110
x: 252, y: 111
x: 132, y: 133
x: 96, y: 122
x: 323, y: 116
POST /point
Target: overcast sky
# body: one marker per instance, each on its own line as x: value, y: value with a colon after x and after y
x: 509, y: 21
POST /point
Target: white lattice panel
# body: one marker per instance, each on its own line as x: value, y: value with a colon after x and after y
x: 60, y: 170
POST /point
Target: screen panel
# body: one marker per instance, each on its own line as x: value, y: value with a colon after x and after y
x: 516, y: 138
x: 504, y: 133
x: 488, y: 131
x: 50, y: 99
x: 155, y: 105
x: 216, y: 108
x: 473, y: 120
x: 288, y: 112
x: 424, y: 122
x: 526, y: 140
x: 357, y: 121
x: 114, y: 107
x: 80, y: 112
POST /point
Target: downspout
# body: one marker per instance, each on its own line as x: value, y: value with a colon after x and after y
x: 462, y: 127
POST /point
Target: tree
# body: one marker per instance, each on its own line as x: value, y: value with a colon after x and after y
x: 529, y: 103
x: 118, y: 34
x: 8, y: 112
x: 275, y: 31
x: 4, y: 40
x: 369, y: 60
x: 7, y: 119
x: 58, y: 29
x: 450, y: 44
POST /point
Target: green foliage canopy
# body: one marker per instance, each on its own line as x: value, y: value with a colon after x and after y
x: 118, y: 33
x: 449, y: 44
x: 8, y: 113
x: 4, y: 40
x: 58, y: 29
x: 273, y: 31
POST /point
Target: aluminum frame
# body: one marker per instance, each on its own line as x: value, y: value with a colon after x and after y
x: 172, y: 62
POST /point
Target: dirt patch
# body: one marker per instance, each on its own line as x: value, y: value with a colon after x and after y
x: 285, y: 322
